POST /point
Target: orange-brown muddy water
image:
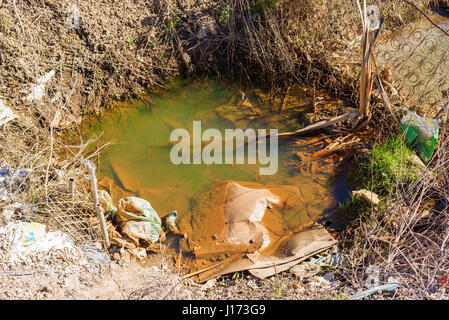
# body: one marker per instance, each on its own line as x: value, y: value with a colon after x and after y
x: 138, y: 163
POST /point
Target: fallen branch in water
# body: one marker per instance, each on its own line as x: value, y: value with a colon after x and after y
x: 322, y: 124
x: 338, y: 144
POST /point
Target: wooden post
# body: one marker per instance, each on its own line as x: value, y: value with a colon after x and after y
x: 93, y: 180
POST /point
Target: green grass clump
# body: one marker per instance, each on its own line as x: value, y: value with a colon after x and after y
x: 225, y: 15
x: 258, y: 7
x: 352, y: 210
x: 386, y: 167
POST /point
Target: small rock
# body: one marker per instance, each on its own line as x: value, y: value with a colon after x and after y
x: 305, y: 270
x: 10, y: 211
x: 155, y: 268
x: 46, y: 289
x: 330, y: 276
x: 369, y: 196
x: 295, y: 286
x: 318, y: 282
x: 210, y: 284
x: 116, y: 256
x: 252, y: 284
x: 214, y: 237
x: 417, y: 164
x: 126, y: 256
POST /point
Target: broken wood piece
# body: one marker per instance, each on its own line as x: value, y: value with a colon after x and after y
x: 322, y: 124
x: 337, y: 145
x: 284, y: 101
x: 385, y: 98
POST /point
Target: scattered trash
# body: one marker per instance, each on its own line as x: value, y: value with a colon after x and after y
x: 373, y: 276
x: 38, y: 89
x: 8, y: 212
x: 444, y: 280
x: 10, y: 181
x: 139, y: 220
x: 94, y: 254
x: 369, y: 196
x: 25, y: 238
x: 329, y: 276
x: 318, y: 282
x: 106, y: 201
x: 32, y: 232
x: 421, y: 132
x: 333, y: 260
x: 209, y: 284
x: 387, y: 287
x: 170, y: 224
x: 305, y: 270
x: 443, y: 204
x: 6, y: 114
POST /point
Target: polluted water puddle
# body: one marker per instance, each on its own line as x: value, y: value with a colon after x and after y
x: 255, y: 210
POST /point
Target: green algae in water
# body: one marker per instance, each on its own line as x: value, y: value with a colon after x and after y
x: 139, y: 158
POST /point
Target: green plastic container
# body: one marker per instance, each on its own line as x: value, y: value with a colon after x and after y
x: 422, y: 133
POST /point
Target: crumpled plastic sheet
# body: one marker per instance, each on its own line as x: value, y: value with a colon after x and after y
x: 11, y: 181
x: 6, y: 114
x: 25, y: 238
x: 139, y: 220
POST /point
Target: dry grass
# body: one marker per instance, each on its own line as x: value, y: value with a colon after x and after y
x: 407, y: 240
x: 279, y: 42
x: 55, y: 193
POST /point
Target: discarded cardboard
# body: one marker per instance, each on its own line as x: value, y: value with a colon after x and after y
x: 246, y: 226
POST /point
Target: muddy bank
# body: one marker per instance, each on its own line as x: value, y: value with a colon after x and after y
x: 119, y: 49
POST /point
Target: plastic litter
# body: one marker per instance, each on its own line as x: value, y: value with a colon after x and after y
x: 38, y: 89
x: 305, y: 270
x: 32, y: 232
x: 386, y: 287
x: 334, y: 260
x: 94, y: 254
x: 139, y: 220
x: 11, y: 181
x: 30, y: 237
x: 170, y: 222
x: 9, y: 211
x: 6, y: 114
x: 106, y: 201
x: 422, y: 133
x: 444, y: 280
